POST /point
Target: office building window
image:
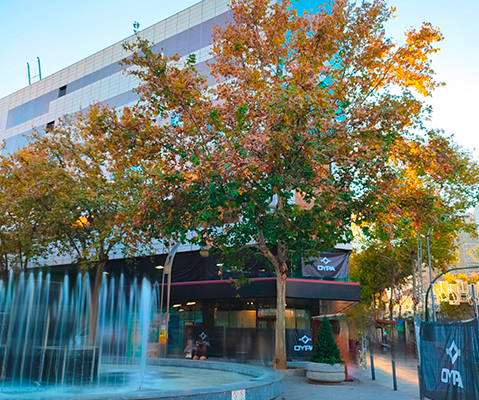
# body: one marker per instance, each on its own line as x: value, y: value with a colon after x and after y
x: 62, y: 91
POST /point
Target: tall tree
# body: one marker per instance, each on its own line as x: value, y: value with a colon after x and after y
x: 292, y: 139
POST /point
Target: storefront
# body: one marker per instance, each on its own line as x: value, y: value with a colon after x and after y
x: 235, y: 322
x: 240, y: 323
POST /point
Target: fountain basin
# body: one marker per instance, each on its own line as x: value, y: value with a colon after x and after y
x: 165, y: 379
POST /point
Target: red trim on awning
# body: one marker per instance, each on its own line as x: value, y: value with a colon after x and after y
x: 320, y: 282
x: 262, y: 280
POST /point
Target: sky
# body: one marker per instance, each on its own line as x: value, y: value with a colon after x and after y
x: 63, y: 32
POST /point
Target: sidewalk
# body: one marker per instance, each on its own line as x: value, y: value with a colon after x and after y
x: 362, y: 387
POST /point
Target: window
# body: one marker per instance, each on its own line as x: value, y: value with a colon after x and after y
x: 62, y: 91
x: 50, y: 126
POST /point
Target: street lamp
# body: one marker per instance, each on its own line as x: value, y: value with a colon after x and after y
x: 165, y: 317
x: 431, y: 282
x: 430, y: 274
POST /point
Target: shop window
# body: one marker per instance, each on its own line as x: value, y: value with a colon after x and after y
x: 221, y: 318
x: 289, y: 318
x: 303, y: 320
x: 236, y: 319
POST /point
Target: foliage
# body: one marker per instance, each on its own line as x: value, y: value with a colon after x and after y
x: 374, y: 268
x: 62, y: 186
x: 459, y: 312
x: 23, y: 236
x: 63, y: 196
x: 452, y: 279
x: 313, y: 119
x: 298, y: 134
x: 435, y: 180
x: 325, y: 348
x: 378, y: 268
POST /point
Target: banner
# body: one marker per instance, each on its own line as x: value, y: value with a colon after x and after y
x: 449, y: 360
x: 327, y: 265
x: 299, y: 344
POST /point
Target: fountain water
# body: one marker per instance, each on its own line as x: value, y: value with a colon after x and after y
x: 47, y: 352
x: 44, y: 332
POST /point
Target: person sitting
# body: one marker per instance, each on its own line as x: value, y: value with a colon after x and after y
x: 200, y: 353
x: 190, y: 349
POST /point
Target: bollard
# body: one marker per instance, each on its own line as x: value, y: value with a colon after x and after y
x: 419, y: 380
x: 373, y: 373
x: 395, y: 384
x: 393, y: 362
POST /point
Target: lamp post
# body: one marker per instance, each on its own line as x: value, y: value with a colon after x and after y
x: 420, y: 282
x: 430, y: 274
x: 165, y: 316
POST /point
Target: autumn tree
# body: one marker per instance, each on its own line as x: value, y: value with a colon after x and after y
x: 435, y: 180
x: 379, y: 268
x: 22, y: 228
x: 62, y: 186
x: 291, y: 140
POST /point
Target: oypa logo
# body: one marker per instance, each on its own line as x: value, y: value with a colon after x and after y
x: 305, y: 346
x: 203, y: 337
x: 326, y: 267
x: 452, y: 376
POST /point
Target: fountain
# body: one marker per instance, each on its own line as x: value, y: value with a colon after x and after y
x: 49, y: 348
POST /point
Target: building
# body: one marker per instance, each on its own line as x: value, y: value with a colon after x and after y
x: 201, y: 295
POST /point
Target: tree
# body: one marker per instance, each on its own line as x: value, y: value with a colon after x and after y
x: 62, y: 186
x: 23, y: 225
x: 378, y: 268
x: 292, y: 139
x: 435, y: 180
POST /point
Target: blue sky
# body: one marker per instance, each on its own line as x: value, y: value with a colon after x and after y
x: 62, y: 33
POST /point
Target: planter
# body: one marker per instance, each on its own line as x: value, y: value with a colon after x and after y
x: 325, y: 373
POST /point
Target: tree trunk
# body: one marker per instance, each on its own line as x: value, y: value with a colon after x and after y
x: 280, y: 331
x: 281, y: 269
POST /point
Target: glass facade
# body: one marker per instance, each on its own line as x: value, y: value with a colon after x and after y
x: 235, y: 329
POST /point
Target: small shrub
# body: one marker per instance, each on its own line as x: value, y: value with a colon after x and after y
x: 325, y: 349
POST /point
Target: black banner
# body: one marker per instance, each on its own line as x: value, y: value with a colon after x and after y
x: 299, y: 344
x: 449, y: 360
x: 327, y: 265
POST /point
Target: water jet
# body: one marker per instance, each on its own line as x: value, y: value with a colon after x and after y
x: 47, y: 350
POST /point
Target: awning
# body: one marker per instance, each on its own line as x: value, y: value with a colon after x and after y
x: 266, y: 287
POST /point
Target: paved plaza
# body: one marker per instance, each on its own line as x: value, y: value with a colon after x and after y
x: 362, y: 387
